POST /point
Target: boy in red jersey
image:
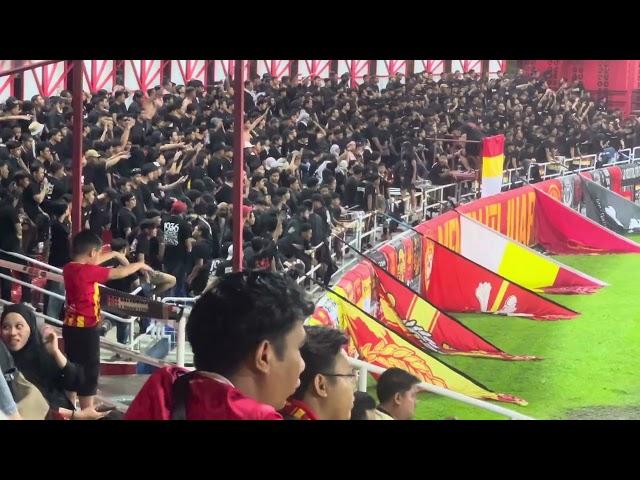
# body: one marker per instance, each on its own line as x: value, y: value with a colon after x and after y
x: 80, y: 331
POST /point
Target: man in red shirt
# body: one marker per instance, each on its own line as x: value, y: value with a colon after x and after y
x: 328, y: 382
x: 80, y: 331
x: 246, y: 333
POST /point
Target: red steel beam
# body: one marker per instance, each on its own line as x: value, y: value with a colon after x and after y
x: 238, y: 161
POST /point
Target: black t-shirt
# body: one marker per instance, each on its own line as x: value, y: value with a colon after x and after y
x: 100, y: 216
x: 435, y: 174
x: 31, y: 207
x: 176, y: 230
x: 118, y: 108
x: 350, y: 191
x: 57, y: 188
x: 96, y: 174
x: 126, y: 219
x: 139, y: 209
x: 145, y: 191
x: 122, y: 284
x: 225, y: 194
x: 140, y: 245
x: 59, y: 255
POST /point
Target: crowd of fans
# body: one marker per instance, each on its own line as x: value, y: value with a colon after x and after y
x: 158, y: 178
x: 158, y: 167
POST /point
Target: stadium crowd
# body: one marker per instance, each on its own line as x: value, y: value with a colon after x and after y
x: 158, y: 176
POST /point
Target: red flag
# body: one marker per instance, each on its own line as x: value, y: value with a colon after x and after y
x: 561, y: 230
x: 432, y: 328
x: 456, y: 284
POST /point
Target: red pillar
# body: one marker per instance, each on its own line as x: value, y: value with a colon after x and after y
x: 238, y: 164
x: 76, y: 103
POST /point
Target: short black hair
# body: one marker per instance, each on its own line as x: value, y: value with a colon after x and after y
x: 152, y: 213
x: 35, y: 166
x: 243, y: 309
x: 118, y: 244
x: 84, y: 242
x: 147, y: 224
x: 392, y: 381
x: 55, y: 167
x: 312, y: 182
x: 357, y: 170
x: 319, y: 353
x: 126, y: 197
x: 362, y: 402
x: 305, y: 227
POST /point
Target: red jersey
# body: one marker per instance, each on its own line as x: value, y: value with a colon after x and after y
x: 82, y: 307
x: 297, y: 410
x: 208, y: 399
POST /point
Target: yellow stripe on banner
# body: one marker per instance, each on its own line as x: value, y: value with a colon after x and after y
x: 492, y: 166
x: 496, y: 303
x: 80, y: 321
x: 521, y: 265
x: 96, y: 301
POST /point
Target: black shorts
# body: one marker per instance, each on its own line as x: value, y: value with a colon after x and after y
x: 82, y: 347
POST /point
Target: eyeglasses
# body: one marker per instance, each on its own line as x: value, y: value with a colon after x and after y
x: 354, y: 375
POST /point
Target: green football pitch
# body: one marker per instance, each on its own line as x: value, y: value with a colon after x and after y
x: 590, y: 363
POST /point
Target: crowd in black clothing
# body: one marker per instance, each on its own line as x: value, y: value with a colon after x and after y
x: 158, y: 167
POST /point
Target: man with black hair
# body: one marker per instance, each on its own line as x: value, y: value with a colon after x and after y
x: 351, y: 187
x: 327, y: 382
x: 101, y: 215
x: 246, y: 333
x: 364, y: 407
x: 310, y: 188
x: 225, y: 194
x: 32, y: 198
x: 297, y: 245
x: 60, y: 253
x: 118, y: 107
x: 127, y: 220
x: 397, y: 392
x: 177, y: 232
x: 274, y: 178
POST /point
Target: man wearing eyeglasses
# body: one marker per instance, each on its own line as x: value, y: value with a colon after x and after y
x: 328, y: 382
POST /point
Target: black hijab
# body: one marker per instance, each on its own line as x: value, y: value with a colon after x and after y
x: 35, y: 363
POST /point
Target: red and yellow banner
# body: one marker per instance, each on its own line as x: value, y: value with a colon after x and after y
x: 454, y: 283
x: 380, y: 346
x: 428, y: 325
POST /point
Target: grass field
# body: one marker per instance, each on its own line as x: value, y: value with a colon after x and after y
x: 591, y: 363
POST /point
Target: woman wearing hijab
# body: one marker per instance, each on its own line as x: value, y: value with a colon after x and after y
x: 37, y: 356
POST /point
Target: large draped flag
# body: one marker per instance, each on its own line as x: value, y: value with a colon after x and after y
x: 561, y: 230
x: 519, y: 263
x: 492, y: 165
x: 609, y: 209
x: 380, y: 346
x: 431, y: 327
x: 456, y: 284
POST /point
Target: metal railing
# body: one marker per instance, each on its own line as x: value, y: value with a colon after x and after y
x: 364, y: 369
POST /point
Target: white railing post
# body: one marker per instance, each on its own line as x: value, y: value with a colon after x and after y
x: 362, y: 379
x: 181, y: 338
